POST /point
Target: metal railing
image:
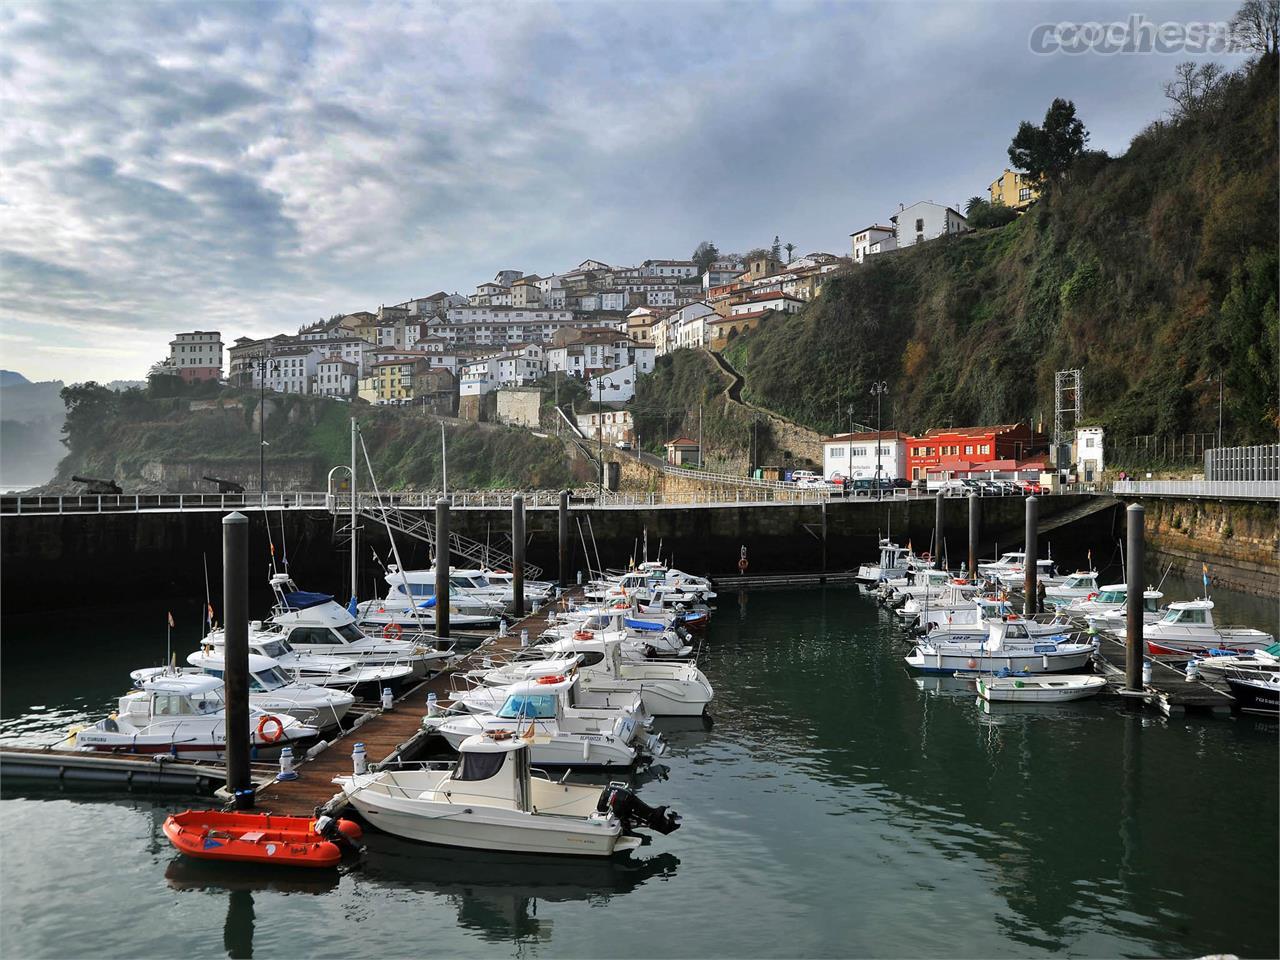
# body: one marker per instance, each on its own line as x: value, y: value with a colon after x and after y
x: 162, y: 502
x: 1230, y: 489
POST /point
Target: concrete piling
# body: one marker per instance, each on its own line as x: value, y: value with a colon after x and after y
x: 565, y: 579
x: 1133, y: 639
x: 975, y: 526
x: 517, y: 555
x: 235, y: 603
x: 1032, y: 548
x: 442, y: 567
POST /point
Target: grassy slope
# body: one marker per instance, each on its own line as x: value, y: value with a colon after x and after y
x: 1148, y: 271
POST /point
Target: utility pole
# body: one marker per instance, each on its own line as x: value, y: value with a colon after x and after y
x: 849, y: 475
x: 1219, y: 407
x: 702, y: 459
x: 878, y: 390
x: 600, y: 427
x: 264, y: 364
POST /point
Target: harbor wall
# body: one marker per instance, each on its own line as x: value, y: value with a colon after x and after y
x: 1239, y: 540
x: 55, y: 561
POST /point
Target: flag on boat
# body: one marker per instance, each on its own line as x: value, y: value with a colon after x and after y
x: 1204, y: 568
x: 209, y: 617
x: 171, y: 618
x: 271, y: 545
x: 351, y: 606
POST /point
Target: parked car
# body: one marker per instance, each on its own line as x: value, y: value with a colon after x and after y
x: 622, y: 444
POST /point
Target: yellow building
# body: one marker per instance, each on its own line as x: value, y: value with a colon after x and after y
x: 391, y: 381
x: 1014, y: 190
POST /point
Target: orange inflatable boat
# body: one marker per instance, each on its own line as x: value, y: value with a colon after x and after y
x: 260, y: 837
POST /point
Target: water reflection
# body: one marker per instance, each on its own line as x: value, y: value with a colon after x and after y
x: 497, y: 894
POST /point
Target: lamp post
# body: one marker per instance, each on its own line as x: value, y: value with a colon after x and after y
x: 264, y: 364
x: 600, y: 427
x: 878, y: 390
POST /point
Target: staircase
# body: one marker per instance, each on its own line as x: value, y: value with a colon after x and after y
x: 1091, y: 506
x: 487, y: 556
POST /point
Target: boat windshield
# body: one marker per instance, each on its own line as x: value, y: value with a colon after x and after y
x: 1151, y: 604
x: 417, y: 589
x: 1111, y: 596
x: 349, y: 632
x: 274, y: 649
x: 529, y: 706
x: 273, y: 678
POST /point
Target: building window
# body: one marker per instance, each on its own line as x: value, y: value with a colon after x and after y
x: 986, y: 448
x: 920, y: 225
x: 1024, y: 194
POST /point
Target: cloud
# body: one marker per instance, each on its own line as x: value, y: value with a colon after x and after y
x: 250, y: 167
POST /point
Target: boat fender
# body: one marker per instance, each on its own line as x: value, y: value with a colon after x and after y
x: 972, y: 663
x: 277, y: 730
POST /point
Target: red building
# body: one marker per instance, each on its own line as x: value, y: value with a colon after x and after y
x: 959, y: 451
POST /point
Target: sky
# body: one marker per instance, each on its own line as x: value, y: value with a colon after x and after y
x: 251, y: 167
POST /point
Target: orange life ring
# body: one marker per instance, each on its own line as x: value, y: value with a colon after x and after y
x: 262, y: 728
x: 1011, y: 617
x: 926, y: 556
x: 742, y: 565
x: 555, y: 678
x: 498, y: 734
x: 582, y: 635
x: 392, y: 631
x: 1092, y: 596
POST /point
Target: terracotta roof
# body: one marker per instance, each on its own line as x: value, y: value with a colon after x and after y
x: 681, y: 442
x: 855, y: 437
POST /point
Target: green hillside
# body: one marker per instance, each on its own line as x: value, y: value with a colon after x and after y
x: 1151, y: 271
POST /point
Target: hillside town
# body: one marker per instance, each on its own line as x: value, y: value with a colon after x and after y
x: 482, y: 356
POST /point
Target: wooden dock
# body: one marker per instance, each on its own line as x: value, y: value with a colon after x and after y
x: 388, y: 735
x: 1169, y: 690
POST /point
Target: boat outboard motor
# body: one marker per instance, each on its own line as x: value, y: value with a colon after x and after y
x: 619, y: 800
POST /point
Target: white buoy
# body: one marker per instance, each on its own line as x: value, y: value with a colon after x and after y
x: 502, y: 627
x: 286, y: 765
x: 579, y: 578
x: 433, y: 708
x: 1193, y: 671
x: 387, y: 700
x: 359, y: 762
x: 1146, y: 673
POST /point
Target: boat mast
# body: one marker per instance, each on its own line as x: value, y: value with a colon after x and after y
x: 354, y: 511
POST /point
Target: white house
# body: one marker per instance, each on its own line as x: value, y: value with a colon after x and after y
x: 606, y: 426
x: 871, y: 240
x: 781, y: 302
x: 613, y: 299
x: 853, y: 455
x: 336, y: 377
x: 925, y: 221
x: 669, y: 268
x: 196, y: 355
x: 721, y: 272
x: 687, y: 327
x: 291, y: 369
x: 1089, y: 462
x: 521, y: 365
x: 478, y: 377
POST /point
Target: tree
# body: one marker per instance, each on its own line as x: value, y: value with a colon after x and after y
x: 789, y: 247
x: 1047, y: 152
x: 982, y: 215
x: 973, y: 203
x: 704, y: 254
x: 776, y: 250
x: 1191, y: 87
x: 1256, y: 25
x: 755, y: 253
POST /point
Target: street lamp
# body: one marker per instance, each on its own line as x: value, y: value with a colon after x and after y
x: 878, y: 390
x: 265, y: 365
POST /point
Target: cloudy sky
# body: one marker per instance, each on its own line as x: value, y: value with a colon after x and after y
x: 249, y: 167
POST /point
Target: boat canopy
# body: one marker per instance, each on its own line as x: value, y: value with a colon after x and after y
x: 304, y: 599
x: 647, y: 625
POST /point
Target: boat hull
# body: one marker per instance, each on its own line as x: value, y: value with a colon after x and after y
x: 280, y: 841
x: 1029, y: 662
x: 1254, y: 697
x: 477, y: 828
x: 1014, y: 690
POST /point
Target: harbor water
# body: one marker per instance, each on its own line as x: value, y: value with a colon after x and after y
x: 837, y: 805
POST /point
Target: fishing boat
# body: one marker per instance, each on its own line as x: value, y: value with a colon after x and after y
x: 1187, y: 629
x: 1007, y: 646
x: 334, y: 672
x: 892, y: 563
x: 1054, y: 688
x: 559, y: 735
x: 261, y: 837
x: 665, y: 688
x: 185, y: 716
x: 1082, y: 583
x: 1256, y: 692
x: 271, y: 689
x: 490, y: 799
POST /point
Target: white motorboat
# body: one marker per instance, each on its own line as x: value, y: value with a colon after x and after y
x: 1072, y: 587
x: 183, y: 715
x: 410, y: 600
x: 1187, y: 629
x: 342, y: 673
x: 667, y: 689
x: 1105, y: 609
x: 559, y: 735
x: 271, y: 689
x: 1008, y: 646
x: 490, y: 800
x: 1217, y: 666
x: 948, y: 593
x: 313, y: 623
x: 641, y: 639
x: 1009, y: 569
x: 536, y: 592
x: 1053, y: 688
x: 892, y: 563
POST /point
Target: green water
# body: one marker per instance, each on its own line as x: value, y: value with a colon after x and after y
x: 837, y: 806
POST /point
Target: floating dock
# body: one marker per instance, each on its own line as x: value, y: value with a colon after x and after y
x: 388, y: 735
x: 140, y: 770
x: 1169, y: 690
